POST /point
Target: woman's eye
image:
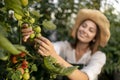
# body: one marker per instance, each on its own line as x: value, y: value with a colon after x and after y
x: 83, y: 25
x: 92, y: 30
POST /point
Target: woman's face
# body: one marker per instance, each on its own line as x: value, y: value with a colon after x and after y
x: 87, y: 31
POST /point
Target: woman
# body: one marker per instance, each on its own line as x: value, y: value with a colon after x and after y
x: 90, y: 32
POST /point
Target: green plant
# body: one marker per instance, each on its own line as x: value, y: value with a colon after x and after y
x: 112, y: 50
x: 21, y: 60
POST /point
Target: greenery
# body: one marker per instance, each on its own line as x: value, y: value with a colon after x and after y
x: 112, y: 65
x: 62, y: 14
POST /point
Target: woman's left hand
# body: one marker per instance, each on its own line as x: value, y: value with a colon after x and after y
x: 44, y: 46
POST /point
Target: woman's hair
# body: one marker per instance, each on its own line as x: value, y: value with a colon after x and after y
x: 94, y: 45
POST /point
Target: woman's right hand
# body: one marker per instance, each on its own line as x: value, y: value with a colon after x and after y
x: 26, y: 31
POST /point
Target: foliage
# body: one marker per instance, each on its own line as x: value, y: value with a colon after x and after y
x: 112, y: 49
x: 18, y: 65
x: 21, y: 60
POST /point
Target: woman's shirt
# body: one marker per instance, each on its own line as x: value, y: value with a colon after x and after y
x: 93, y: 63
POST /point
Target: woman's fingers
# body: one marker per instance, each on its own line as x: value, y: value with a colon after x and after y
x: 45, y: 40
x: 26, y: 35
x: 41, y: 52
x: 41, y: 43
x: 26, y: 32
x: 29, y: 29
x: 25, y: 38
x: 45, y: 46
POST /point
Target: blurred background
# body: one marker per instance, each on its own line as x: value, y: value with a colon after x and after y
x: 63, y: 13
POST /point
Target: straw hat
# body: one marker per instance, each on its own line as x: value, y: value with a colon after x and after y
x: 99, y: 18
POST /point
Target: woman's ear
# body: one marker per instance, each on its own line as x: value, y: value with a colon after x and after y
x: 93, y: 40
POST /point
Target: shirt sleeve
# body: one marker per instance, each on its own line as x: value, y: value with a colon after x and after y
x: 60, y: 47
x: 95, y: 65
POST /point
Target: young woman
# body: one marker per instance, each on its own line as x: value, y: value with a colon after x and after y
x: 90, y: 32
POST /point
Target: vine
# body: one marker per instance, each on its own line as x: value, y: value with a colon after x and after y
x: 21, y: 60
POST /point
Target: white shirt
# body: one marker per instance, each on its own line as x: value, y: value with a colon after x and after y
x: 94, y: 63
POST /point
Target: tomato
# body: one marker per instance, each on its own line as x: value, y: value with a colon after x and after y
x: 26, y: 76
x: 24, y: 2
x: 38, y: 35
x: 14, y: 59
x: 20, y: 77
x: 37, y: 29
x: 31, y: 20
x: 21, y: 70
x: 27, y: 70
x: 32, y: 35
x: 22, y: 54
x: 24, y: 64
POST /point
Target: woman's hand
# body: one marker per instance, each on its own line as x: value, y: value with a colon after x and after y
x: 44, y: 46
x: 26, y: 31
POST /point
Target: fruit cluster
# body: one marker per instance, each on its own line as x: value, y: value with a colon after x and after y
x: 36, y: 31
x: 22, y: 65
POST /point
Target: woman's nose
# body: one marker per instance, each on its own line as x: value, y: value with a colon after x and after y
x: 85, y: 30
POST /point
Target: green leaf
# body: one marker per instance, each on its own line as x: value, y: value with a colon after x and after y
x: 16, y: 6
x: 36, y: 13
x: 16, y: 75
x: 3, y: 28
x: 3, y: 55
x: 48, y: 25
x: 7, y: 45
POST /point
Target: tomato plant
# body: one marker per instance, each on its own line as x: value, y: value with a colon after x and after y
x: 22, y: 60
x: 19, y: 60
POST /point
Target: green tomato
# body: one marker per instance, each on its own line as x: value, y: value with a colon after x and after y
x: 26, y: 70
x: 20, y: 76
x: 26, y: 76
x: 38, y: 35
x: 32, y: 35
x: 37, y: 29
x: 32, y: 20
x: 24, y: 2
